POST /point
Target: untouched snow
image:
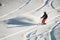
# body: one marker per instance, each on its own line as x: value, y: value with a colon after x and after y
x: 20, y: 20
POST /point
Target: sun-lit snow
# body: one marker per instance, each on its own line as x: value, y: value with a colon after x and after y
x: 21, y: 20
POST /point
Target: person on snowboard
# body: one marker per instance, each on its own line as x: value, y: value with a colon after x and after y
x: 44, y: 18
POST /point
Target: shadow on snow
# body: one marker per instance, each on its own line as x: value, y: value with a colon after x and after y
x: 20, y: 21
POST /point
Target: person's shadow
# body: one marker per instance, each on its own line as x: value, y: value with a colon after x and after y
x: 23, y: 21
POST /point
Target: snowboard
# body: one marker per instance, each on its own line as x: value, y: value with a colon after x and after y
x: 42, y: 24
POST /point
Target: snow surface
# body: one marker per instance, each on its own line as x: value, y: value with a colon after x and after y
x: 20, y: 20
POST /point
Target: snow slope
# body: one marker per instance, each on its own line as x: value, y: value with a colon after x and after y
x: 20, y: 20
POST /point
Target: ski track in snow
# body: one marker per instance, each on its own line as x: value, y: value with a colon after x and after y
x: 50, y: 30
x: 25, y: 4
x: 43, y: 5
x: 20, y: 7
x: 33, y: 33
x: 53, y: 6
x: 46, y: 2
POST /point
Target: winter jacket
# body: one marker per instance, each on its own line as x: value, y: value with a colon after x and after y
x: 44, y: 16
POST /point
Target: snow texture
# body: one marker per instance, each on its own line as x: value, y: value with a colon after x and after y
x: 21, y: 20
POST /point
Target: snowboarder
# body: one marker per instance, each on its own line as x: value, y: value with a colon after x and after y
x: 44, y: 18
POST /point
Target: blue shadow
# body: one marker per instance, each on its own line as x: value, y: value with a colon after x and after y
x: 19, y: 21
x: 52, y: 35
x: 52, y: 32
